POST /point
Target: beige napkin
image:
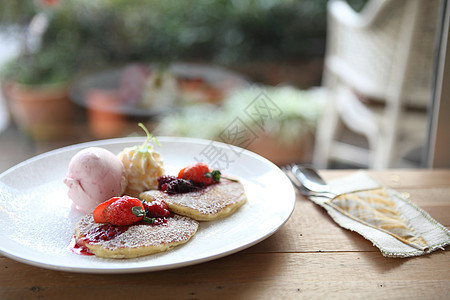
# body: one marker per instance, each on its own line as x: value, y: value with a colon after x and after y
x: 390, y: 221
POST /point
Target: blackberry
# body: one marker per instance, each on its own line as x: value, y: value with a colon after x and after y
x: 165, y: 180
x: 179, y: 186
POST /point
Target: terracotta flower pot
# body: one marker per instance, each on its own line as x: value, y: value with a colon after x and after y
x: 104, y: 119
x: 281, y: 154
x: 42, y: 112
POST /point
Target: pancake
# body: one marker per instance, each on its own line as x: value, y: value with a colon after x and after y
x: 135, y: 240
x: 211, y: 203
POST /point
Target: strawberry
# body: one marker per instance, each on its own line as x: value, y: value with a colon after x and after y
x: 119, y: 211
x: 156, y: 209
x: 98, y: 211
x: 196, y: 172
x: 200, y: 173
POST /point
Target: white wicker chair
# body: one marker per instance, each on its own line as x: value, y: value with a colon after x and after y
x: 385, y: 54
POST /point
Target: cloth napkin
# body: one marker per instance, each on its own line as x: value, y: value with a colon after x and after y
x: 384, y: 216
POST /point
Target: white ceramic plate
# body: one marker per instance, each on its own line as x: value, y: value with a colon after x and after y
x: 37, y: 218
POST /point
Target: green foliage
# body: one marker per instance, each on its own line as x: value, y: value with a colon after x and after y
x: 90, y: 34
x: 16, y: 12
x: 51, y: 66
x: 299, y: 113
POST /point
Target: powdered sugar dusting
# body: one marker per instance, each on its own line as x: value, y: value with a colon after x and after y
x: 177, y: 229
x: 34, y: 217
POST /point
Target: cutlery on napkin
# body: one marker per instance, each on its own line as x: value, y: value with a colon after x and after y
x: 382, y: 215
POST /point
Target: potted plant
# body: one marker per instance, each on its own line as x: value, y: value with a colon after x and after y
x: 35, y: 82
x: 36, y: 92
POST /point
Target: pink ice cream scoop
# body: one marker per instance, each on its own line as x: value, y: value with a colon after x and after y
x: 95, y: 175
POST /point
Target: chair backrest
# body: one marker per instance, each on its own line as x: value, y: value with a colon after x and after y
x: 419, y: 76
x: 388, y: 47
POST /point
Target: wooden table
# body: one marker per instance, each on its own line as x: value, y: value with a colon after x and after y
x: 309, y: 257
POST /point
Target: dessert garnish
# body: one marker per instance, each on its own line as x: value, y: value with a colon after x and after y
x: 200, y: 173
x: 146, y: 147
x: 126, y: 210
x: 174, y: 185
x: 155, y: 212
x: 118, y: 211
x: 191, y: 178
x: 142, y: 164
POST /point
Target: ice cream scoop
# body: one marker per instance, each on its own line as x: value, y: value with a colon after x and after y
x: 95, y: 175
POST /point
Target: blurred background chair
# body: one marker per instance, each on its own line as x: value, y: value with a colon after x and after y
x: 378, y: 74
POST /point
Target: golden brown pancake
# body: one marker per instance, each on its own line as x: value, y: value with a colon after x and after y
x: 213, y: 202
x: 136, y: 240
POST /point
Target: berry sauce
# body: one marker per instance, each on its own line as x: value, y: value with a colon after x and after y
x: 101, y: 233
x: 105, y: 233
x: 79, y: 247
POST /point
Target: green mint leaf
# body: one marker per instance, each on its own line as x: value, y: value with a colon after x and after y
x: 150, y: 137
x: 138, y: 211
x: 216, y: 176
x: 148, y: 220
x: 230, y: 179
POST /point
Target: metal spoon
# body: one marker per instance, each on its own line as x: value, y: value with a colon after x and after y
x: 311, y: 181
x: 296, y: 183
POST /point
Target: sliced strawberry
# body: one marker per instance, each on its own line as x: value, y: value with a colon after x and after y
x: 98, y: 211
